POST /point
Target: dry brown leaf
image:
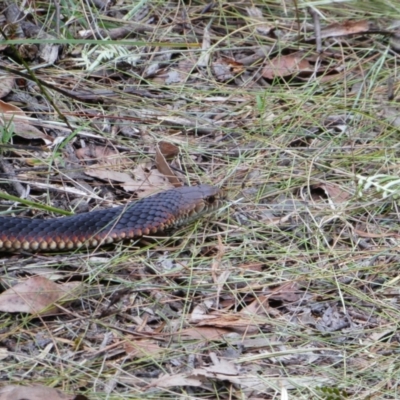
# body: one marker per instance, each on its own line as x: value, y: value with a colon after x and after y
x: 283, y: 66
x: 36, y: 392
x: 48, y: 52
x: 3, y: 353
x: 175, y: 380
x: 27, y: 131
x: 221, y: 369
x: 165, y: 169
x: 10, y: 110
x: 148, y: 180
x: 235, y: 66
x: 237, y: 322
x: 259, y: 306
x: 36, y: 295
x: 139, y: 348
x: 226, y: 371
x: 15, y: 120
x: 331, y: 75
x: 185, y: 68
x: 122, y: 178
x: 168, y: 150
x: 334, y: 192
x: 257, y: 19
x: 108, y: 175
x: 289, y: 291
x: 222, y: 70
x: 256, y: 267
x: 168, y: 77
x: 101, y: 154
x: 204, y: 332
x: 6, y: 84
x: 143, y: 181
x: 221, y: 366
x: 345, y: 28
x: 204, y: 58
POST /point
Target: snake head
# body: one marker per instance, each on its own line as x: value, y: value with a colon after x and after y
x: 199, y: 200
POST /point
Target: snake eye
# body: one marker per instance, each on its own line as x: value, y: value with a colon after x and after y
x: 211, y: 199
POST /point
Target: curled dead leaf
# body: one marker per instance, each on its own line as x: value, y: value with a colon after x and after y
x: 283, y: 66
x: 165, y: 169
x: 101, y: 154
x: 175, y: 380
x: 143, y: 181
x: 142, y: 348
x: 346, y: 28
x: 16, y: 121
x: 168, y: 150
x: 333, y: 191
x: 36, y: 392
x: 6, y: 84
x: 37, y: 295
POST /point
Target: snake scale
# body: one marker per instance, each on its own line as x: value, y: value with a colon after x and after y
x: 157, y: 214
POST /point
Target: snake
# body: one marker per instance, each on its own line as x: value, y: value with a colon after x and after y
x: 153, y: 215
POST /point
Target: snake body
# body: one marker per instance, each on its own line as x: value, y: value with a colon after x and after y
x: 156, y: 214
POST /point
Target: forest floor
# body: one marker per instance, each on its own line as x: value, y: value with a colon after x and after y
x: 291, y: 289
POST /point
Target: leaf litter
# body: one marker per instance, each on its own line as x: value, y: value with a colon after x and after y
x: 281, y: 294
